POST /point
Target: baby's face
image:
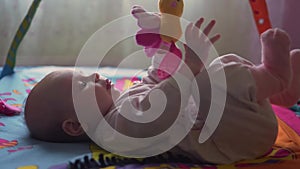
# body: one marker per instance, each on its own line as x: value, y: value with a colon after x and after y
x: 89, y: 87
x: 50, y: 105
x: 96, y: 87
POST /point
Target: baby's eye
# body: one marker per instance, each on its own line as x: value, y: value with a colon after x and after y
x: 82, y: 83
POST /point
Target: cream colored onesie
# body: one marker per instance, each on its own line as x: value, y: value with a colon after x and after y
x: 247, y: 129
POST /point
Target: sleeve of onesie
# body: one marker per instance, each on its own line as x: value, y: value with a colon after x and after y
x: 153, y: 111
x: 148, y: 113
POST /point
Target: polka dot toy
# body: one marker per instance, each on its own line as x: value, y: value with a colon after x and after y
x: 261, y: 15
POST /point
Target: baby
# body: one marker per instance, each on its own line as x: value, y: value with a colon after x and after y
x: 247, y: 129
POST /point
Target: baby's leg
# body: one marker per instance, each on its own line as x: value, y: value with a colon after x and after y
x: 290, y: 95
x: 274, y: 74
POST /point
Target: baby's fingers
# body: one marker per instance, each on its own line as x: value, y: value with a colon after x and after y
x: 215, y: 38
x: 199, y: 23
x: 188, y: 32
x: 209, y: 27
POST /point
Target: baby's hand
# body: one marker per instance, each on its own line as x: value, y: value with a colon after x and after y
x: 198, y: 44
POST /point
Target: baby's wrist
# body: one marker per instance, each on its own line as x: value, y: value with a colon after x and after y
x: 186, y: 71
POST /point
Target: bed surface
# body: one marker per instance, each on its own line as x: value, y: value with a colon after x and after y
x: 19, y: 151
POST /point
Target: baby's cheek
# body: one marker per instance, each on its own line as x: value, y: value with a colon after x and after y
x: 115, y: 94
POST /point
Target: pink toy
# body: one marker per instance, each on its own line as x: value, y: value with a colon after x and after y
x: 161, y: 31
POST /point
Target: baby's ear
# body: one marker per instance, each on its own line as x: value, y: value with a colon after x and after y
x: 72, y: 127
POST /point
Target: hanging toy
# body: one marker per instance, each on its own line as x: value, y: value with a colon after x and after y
x: 261, y: 15
x: 160, y: 31
x: 170, y: 25
x: 20, y: 34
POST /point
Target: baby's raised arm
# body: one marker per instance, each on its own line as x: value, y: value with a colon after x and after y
x: 152, y: 107
x: 173, y: 92
x: 198, y: 44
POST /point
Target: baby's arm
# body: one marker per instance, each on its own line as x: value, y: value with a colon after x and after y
x: 146, y: 111
x: 156, y: 105
x: 154, y: 108
x: 198, y: 44
x: 197, y: 48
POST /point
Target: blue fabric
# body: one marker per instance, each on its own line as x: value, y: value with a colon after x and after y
x: 7, y: 70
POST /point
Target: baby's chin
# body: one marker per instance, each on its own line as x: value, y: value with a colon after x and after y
x: 115, y: 93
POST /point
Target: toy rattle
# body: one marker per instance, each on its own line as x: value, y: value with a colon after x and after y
x: 159, y: 33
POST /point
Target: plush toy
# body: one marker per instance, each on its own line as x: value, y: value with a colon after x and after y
x: 168, y: 23
x: 161, y: 31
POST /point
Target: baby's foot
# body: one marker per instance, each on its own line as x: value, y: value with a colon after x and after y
x: 276, y: 55
x: 291, y: 95
x: 294, y: 89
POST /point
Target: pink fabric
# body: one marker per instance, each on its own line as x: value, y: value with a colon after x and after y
x: 288, y: 116
x: 170, y: 63
x: 8, y: 110
x: 148, y: 37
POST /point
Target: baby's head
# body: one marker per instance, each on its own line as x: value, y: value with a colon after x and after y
x: 49, y: 111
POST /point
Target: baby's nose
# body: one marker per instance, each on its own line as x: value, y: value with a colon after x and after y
x: 95, y: 77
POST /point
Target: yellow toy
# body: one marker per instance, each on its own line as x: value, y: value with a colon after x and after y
x: 171, y: 11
